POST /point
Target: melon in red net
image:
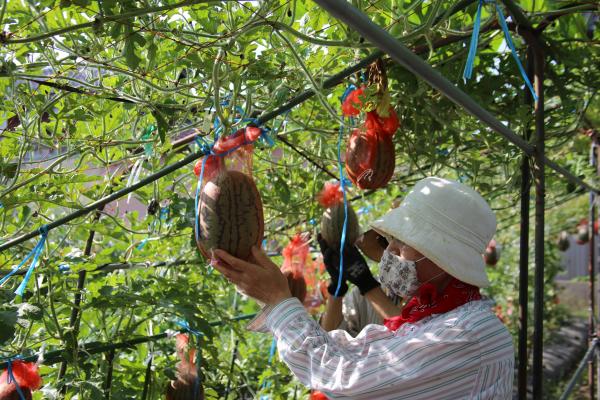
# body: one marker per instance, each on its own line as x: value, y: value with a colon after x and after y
x: 230, y: 212
x: 332, y: 221
x: 563, y: 242
x: 583, y: 234
x: 297, y: 284
x: 491, y: 254
x: 187, y: 385
x: 370, y: 158
x: 295, y: 258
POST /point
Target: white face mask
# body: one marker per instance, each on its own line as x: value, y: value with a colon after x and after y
x: 397, y: 275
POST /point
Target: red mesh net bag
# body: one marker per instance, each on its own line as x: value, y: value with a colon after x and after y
x: 315, y: 293
x: 295, y: 258
x: 229, y: 207
x: 316, y: 395
x: 370, y: 154
x: 27, y: 376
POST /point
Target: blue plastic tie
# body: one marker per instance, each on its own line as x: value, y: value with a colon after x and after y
x: 142, y: 244
x: 473, y: 45
x: 242, y: 113
x: 467, y: 73
x: 11, y: 378
x: 266, y: 384
x: 272, y: 350
x: 164, y: 213
x: 64, y: 268
x: 264, y: 135
x: 37, y: 250
x: 148, y: 147
x: 186, y: 326
x: 349, y: 89
x: 343, y: 187
x: 514, y: 51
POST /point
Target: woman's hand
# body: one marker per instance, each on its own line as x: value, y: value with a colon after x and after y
x: 261, y: 279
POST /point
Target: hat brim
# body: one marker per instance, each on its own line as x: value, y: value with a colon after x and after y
x: 448, y: 253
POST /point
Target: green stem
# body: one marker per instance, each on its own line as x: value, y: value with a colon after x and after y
x: 4, y: 3
x: 53, y: 311
x: 34, y: 177
x: 313, y: 83
x: 562, y: 11
x: 217, y: 88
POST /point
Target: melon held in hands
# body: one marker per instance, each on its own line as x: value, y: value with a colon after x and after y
x: 230, y: 215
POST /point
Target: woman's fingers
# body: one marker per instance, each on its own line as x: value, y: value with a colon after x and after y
x: 233, y: 262
x: 262, y: 259
x: 228, y: 272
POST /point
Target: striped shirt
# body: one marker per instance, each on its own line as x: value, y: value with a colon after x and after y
x: 357, y: 313
x: 466, y: 353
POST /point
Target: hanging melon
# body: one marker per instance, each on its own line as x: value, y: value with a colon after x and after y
x: 332, y: 221
x: 231, y: 215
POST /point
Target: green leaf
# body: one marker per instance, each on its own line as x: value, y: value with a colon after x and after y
x: 162, y: 124
x: 8, y: 320
x: 131, y: 40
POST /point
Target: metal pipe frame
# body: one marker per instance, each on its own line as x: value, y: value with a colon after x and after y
x: 592, y: 350
x: 540, y: 193
x: 522, y: 355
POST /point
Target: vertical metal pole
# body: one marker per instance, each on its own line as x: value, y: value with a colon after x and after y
x: 524, y: 254
x: 592, y: 276
x: 538, y: 307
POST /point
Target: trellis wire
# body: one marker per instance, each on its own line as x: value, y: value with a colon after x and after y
x: 56, y: 356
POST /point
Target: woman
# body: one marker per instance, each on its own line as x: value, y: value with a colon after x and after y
x: 445, y: 343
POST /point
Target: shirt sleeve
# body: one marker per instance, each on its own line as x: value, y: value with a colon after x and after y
x: 377, y: 360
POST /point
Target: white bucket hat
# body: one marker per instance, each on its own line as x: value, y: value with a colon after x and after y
x: 446, y: 221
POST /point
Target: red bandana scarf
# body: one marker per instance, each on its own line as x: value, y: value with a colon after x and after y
x: 429, y: 301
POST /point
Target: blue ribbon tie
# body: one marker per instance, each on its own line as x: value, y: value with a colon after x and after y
x: 468, y: 71
x: 11, y: 378
x: 35, y: 253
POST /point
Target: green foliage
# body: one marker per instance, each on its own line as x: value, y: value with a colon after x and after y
x: 79, y: 137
